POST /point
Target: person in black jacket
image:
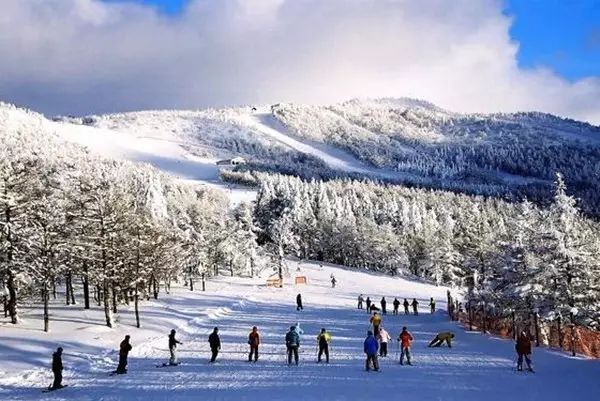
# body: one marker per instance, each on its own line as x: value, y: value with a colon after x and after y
x: 57, y: 368
x: 124, y: 349
x: 215, y: 344
x: 368, y: 304
x: 173, y: 348
x: 406, y: 305
x: 299, y: 302
x: 396, y: 306
x: 415, y: 306
x: 383, y: 306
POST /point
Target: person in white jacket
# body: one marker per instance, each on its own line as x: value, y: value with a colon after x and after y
x: 384, y: 338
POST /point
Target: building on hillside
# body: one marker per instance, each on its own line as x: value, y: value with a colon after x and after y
x: 236, y: 161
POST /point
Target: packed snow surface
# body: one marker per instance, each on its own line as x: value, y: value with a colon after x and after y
x: 477, y: 367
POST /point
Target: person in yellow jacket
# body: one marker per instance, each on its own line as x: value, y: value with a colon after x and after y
x: 439, y: 339
x: 376, y: 322
x: 323, y: 338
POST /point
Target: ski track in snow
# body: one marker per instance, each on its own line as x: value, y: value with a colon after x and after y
x: 478, y: 367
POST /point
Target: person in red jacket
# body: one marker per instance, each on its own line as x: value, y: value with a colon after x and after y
x: 254, y: 341
x: 405, y: 339
x: 523, y: 348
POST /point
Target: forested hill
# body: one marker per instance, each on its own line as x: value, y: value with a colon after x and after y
x: 517, y: 153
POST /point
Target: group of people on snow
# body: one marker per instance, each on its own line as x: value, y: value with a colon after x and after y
x: 371, y: 307
x: 375, y: 344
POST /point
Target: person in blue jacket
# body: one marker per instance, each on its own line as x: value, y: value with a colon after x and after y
x: 292, y: 343
x: 370, y: 347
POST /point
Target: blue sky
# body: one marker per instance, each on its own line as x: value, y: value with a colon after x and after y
x: 563, y: 35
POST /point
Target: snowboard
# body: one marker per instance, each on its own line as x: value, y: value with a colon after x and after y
x: 49, y: 389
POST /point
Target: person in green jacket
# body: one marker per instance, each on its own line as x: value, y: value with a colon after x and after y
x: 323, y: 338
x: 439, y: 339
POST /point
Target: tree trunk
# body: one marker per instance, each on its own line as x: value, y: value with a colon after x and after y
x: 136, y: 304
x: 155, y: 287
x: 126, y: 296
x: 107, y: 309
x: 12, y: 298
x: 86, y: 289
x: 231, y: 267
x: 71, y: 292
x: 67, y: 289
x: 45, y: 297
x: 100, y: 295
x: 53, y: 290
x: 114, y: 297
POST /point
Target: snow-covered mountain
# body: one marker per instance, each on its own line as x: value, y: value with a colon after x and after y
x: 395, y: 140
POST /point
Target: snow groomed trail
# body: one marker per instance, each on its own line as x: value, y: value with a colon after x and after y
x: 476, y: 368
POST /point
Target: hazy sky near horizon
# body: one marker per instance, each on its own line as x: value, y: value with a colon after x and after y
x: 91, y: 56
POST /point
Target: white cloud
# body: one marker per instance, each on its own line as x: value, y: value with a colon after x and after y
x: 81, y: 56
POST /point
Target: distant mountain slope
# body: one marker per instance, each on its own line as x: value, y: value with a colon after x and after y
x: 395, y: 140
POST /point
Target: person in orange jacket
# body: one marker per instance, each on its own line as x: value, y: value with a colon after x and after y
x: 254, y: 342
x: 405, y: 339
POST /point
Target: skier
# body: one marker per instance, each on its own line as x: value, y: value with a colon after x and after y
x: 384, y: 338
x: 333, y: 281
x: 439, y: 339
x: 254, y: 342
x: 406, y: 304
x: 124, y: 349
x: 383, y: 305
x: 415, y: 306
x: 215, y: 344
x: 57, y: 368
x: 292, y: 343
x: 376, y: 322
x: 173, y: 348
x: 523, y: 348
x: 360, y: 301
x: 299, y: 302
x: 432, y: 305
x: 405, y: 339
x: 323, y: 339
x: 370, y: 348
x: 368, y: 305
x: 396, y: 306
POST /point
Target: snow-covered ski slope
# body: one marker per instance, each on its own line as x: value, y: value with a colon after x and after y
x: 477, y: 368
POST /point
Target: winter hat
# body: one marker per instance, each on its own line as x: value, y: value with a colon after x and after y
x: 173, y: 331
x: 292, y: 327
x: 59, y: 350
x: 369, y: 333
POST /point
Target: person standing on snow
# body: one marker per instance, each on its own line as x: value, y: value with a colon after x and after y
x: 384, y: 338
x: 292, y: 343
x: 173, y: 348
x: 254, y: 342
x: 323, y: 339
x: 368, y: 305
x: 360, y: 301
x: 370, y: 348
x: 299, y: 302
x: 396, y: 305
x: 376, y: 322
x: 523, y: 348
x: 415, y: 306
x: 124, y: 349
x: 406, y: 305
x: 432, y: 305
x: 57, y: 368
x: 333, y: 281
x: 215, y: 344
x: 383, y: 306
x: 405, y: 339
